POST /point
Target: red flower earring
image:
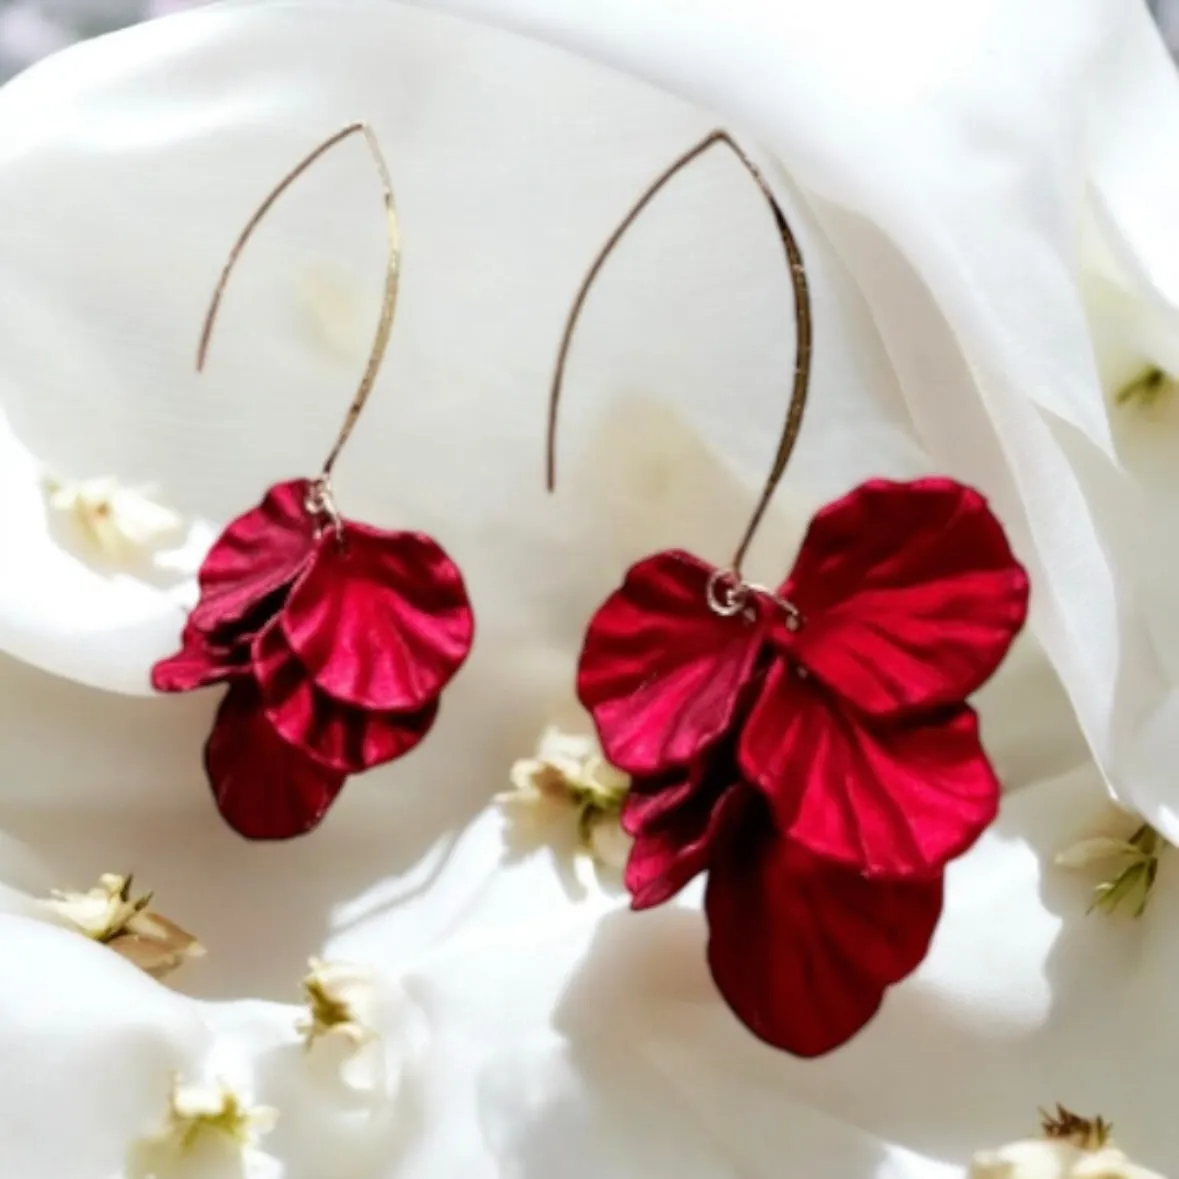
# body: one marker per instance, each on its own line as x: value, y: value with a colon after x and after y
x: 808, y: 747
x: 335, y: 638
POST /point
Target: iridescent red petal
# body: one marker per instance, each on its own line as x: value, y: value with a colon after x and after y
x: 889, y: 799
x: 803, y: 950
x: 258, y: 553
x: 660, y: 671
x: 265, y: 788
x: 670, y: 850
x: 381, y: 620
x: 910, y: 593
x: 339, y: 736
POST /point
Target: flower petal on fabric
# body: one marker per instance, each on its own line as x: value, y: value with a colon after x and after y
x: 660, y: 671
x: 339, y: 736
x: 890, y: 800
x: 258, y: 553
x: 265, y: 788
x: 910, y: 595
x: 382, y: 620
x: 801, y: 949
x: 671, y: 850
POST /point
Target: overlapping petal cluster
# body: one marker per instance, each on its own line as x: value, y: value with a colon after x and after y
x: 811, y: 748
x: 336, y: 641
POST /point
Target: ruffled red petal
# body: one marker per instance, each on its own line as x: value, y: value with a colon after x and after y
x: 199, y: 663
x: 258, y: 553
x: 265, y: 788
x: 673, y: 848
x: 890, y: 800
x: 215, y: 656
x: 660, y: 671
x: 381, y: 621
x: 910, y: 593
x: 648, y: 800
x: 339, y: 736
x: 803, y: 950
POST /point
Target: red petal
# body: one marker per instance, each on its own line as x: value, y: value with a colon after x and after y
x: 265, y: 788
x: 337, y: 735
x: 218, y: 655
x: 890, y: 800
x: 660, y: 671
x: 910, y: 595
x: 650, y: 799
x: 803, y: 950
x: 381, y: 621
x: 198, y: 663
x: 676, y: 846
x: 258, y: 553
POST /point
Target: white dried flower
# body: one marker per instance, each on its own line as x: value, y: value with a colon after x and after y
x: 1097, y: 850
x: 341, y: 1002
x: 568, y: 776
x: 1136, y: 859
x: 212, y: 1112
x: 121, y: 523
x: 102, y: 911
x: 1073, y: 1147
x: 108, y: 913
x: 1046, y: 1159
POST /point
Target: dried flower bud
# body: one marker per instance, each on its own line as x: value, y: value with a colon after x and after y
x: 206, y: 1109
x: 569, y: 775
x: 1066, y: 1126
x: 1072, y: 1148
x: 340, y: 1001
x: 122, y: 523
x: 1131, y: 884
x: 109, y: 914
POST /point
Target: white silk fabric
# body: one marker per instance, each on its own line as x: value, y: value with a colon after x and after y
x: 984, y: 194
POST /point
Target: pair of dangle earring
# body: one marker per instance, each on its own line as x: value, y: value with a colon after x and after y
x: 810, y: 747
x: 335, y: 638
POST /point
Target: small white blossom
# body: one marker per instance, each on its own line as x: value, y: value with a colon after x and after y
x: 108, y: 913
x: 569, y: 777
x: 101, y: 912
x: 1046, y: 1159
x: 341, y: 1002
x: 1136, y: 859
x: 208, y: 1113
x: 1097, y: 850
x: 1073, y: 1147
x: 121, y: 523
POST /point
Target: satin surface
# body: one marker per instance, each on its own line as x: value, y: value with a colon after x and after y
x: 562, y: 1037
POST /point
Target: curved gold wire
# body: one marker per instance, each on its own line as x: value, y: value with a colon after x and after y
x: 803, y: 325
x: 392, y: 270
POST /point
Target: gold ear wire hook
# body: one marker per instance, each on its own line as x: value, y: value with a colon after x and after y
x: 388, y: 302
x: 802, y: 324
